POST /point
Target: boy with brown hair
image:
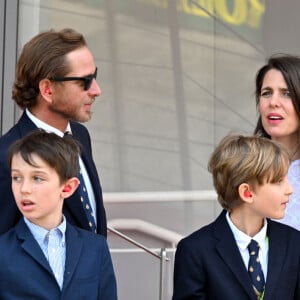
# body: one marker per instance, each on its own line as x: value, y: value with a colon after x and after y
x: 43, y: 256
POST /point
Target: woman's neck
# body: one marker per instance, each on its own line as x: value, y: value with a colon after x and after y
x: 292, y: 145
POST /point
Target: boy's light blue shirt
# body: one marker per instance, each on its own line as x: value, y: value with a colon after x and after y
x: 53, y: 246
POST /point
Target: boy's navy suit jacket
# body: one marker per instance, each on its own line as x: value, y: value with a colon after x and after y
x: 208, y: 265
x: 26, y: 274
x: 73, y: 210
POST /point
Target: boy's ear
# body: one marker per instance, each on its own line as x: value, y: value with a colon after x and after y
x: 70, y: 187
x: 245, y: 192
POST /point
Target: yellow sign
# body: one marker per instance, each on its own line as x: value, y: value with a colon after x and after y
x: 234, y: 12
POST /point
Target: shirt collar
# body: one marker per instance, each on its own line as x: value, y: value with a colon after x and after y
x: 40, y: 233
x: 243, y: 239
x: 40, y: 124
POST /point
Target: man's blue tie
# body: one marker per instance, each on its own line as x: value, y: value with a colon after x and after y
x: 84, y: 198
x: 255, y: 270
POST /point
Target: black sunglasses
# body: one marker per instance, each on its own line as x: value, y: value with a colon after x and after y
x: 87, y: 80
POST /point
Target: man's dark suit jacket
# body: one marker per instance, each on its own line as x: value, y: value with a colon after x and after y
x: 73, y: 210
x: 26, y: 274
x: 208, y: 265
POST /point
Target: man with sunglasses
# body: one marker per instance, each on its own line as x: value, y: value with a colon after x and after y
x: 56, y: 86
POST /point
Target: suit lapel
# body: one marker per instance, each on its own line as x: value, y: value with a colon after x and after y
x: 30, y: 245
x: 73, y: 252
x: 229, y: 252
x: 86, y: 156
x: 276, y: 257
x: 73, y: 204
x: 25, y: 125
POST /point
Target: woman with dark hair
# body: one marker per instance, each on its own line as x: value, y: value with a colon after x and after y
x: 278, y: 103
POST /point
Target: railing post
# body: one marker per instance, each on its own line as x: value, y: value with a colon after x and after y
x: 163, y: 259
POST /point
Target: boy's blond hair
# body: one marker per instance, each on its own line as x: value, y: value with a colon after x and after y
x: 241, y: 159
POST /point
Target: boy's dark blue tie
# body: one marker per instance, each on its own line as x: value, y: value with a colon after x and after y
x: 254, y: 269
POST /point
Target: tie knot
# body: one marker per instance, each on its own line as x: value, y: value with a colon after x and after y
x: 253, y: 247
x: 67, y: 133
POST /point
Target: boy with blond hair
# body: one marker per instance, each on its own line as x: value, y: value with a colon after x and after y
x: 243, y: 254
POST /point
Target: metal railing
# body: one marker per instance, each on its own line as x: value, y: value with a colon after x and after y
x: 149, y: 229
x: 166, y: 196
x: 162, y: 257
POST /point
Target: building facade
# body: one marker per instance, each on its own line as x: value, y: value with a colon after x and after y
x: 176, y: 76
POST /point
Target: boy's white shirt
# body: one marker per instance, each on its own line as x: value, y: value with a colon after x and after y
x: 243, y: 241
